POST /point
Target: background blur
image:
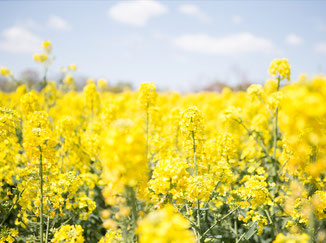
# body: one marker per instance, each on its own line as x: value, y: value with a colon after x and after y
x: 180, y: 45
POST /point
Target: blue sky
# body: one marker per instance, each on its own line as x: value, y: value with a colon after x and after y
x: 179, y: 45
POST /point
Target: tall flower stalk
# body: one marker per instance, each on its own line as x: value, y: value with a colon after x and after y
x: 279, y: 68
x: 191, y: 126
x: 275, y: 123
x: 41, y: 195
x: 196, y: 173
x: 147, y: 99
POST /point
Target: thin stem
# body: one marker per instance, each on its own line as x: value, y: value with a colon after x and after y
x: 241, y: 237
x: 236, y: 229
x: 273, y: 228
x: 41, y: 196
x: 47, y: 230
x: 219, y: 220
x: 250, y: 133
x: 278, y: 204
x: 133, y: 208
x: 194, y: 151
x: 44, y: 78
x: 275, y: 123
x: 12, y: 206
x: 198, y: 219
x: 196, y: 173
x: 147, y: 135
x: 268, y: 216
x: 45, y: 82
x: 311, y: 227
x: 263, y: 102
x: 282, y: 167
x: 193, y: 224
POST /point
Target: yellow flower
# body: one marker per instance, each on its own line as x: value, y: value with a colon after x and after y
x: 92, y: 98
x: 38, y: 137
x: 40, y: 57
x: 111, y: 237
x: 292, y: 238
x: 69, y: 79
x: 164, y: 226
x: 102, y: 84
x: 69, y: 234
x: 8, y: 121
x: 255, y: 90
x: 29, y: 103
x: 147, y: 95
x: 72, y: 67
x: 5, y: 72
x: 270, y: 86
x: 8, y: 235
x: 319, y: 203
x: 191, y: 124
x: 280, y: 67
x: 47, y: 46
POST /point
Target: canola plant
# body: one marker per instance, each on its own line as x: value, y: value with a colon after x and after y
x: 146, y: 166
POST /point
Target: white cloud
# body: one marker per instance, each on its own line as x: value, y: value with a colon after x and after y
x: 17, y: 39
x: 232, y: 44
x: 237, y: 19
x: 294, y: 40
x: 27, y: 24
x: 193, y: 10
x: 58, y: 23
x: 136, y: 13
x: 321, y: 48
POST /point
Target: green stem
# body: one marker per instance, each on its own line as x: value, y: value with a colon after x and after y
x: 196, y: 173
x: 194, y: 151
x: 45, y: 82
x: 12, y: 206
x: 273, y: 229
x: 47, y: 230
x: 198, y: 219
x: 243, y: 235
x: 256, y: 139
x: 219, y: 220
x: 268, y: 216
x: 41, y: 196
x: 147, y: 137
x: 311, y: 228
x: 193, y: 224
x: 263, y: 102
x: 133, y: 208
x: 236, y: 229
x: 278, y: 204
x: 275, y: 123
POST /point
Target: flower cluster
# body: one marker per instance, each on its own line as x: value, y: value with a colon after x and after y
x: 43, y: 57
x: 280, y: 67
x: 69, y: 234
x: 147, y: 94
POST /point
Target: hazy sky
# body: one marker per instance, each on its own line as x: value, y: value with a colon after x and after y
x: 176, y: 44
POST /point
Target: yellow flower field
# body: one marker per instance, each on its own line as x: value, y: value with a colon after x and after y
x: 163, y: 167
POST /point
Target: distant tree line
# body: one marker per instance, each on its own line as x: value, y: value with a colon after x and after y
x: 32, y: 79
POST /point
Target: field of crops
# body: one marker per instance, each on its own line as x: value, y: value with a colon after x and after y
x: 146, y: 166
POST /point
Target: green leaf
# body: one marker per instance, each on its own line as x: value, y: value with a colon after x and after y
x: 251, y: 231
